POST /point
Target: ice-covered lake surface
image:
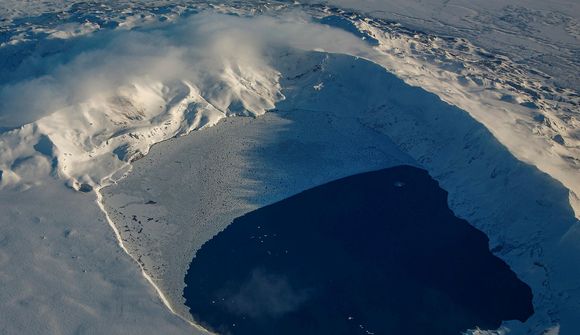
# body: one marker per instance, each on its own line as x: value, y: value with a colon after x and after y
x: 105, y: 200
x: 375, y: 253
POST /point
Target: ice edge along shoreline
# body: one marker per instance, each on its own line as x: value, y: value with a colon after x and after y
x: 160, y: 294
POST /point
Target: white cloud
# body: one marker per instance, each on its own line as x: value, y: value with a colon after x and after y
x: 197, y: 49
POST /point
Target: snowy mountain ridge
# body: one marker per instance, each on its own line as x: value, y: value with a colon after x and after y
x: 93, y: 146
x: 103, y: 130
x: 516, y: 103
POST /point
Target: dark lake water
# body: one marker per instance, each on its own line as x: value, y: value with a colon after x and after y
x: 374, y: 253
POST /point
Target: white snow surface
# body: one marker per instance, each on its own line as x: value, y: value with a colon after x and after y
x: 150, y: 74
x: 62, y: 271
x: 363, y: 119
x: 87, y: 88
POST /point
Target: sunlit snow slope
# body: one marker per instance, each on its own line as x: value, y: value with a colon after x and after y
x: 121, y: 92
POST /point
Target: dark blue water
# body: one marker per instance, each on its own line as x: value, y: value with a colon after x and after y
x: 378, y: 252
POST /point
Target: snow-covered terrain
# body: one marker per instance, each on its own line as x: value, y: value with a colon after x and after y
x: 87, y: 89
x: 62, y: 271
x: 536, y: 120
x: 359, y: 120
x: 540, y: 34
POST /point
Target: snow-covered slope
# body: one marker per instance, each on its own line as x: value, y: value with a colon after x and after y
x: 62, y: 271
x: 541, y: 34
x: 107, y: 107
x: 88, y: 90
x: 349, y: 116
x: 536, y: 120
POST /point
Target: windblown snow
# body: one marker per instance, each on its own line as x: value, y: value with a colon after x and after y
x: 87, y: 91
